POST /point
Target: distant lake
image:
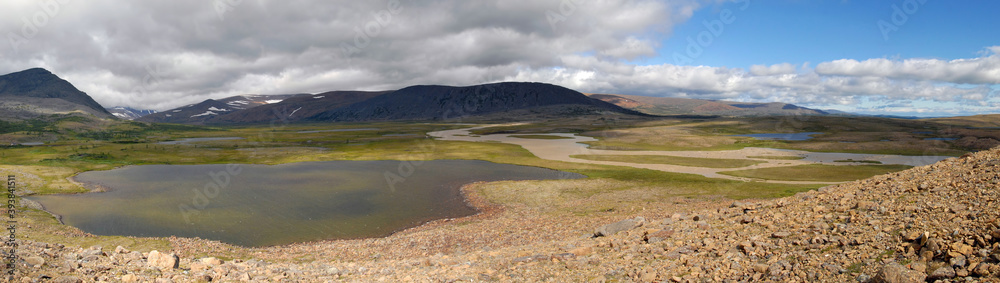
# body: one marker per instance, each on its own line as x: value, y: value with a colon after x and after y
x: 338, y: 130
x: 940, y: 139
x: 783, y: 137
x: 191, y: 140
x: 279, y: 204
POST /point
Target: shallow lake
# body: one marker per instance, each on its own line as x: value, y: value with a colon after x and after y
x: 263, y: 205
x: 783, y: 137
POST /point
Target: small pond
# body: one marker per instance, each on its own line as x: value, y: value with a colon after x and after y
x: 940, y: 139
x: 263, y: 205
x: 783, y: 137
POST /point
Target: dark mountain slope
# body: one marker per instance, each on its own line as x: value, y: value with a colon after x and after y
x: 36, y: 92
x: 434, y: 102
x: 297, y: 108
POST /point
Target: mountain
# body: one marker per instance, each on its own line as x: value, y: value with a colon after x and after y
x: 37, y: 92
x: 684, y: 106
x: 210, y: 109
x: 297, y: 108
x: 129, y: 113
x: 502, y: 100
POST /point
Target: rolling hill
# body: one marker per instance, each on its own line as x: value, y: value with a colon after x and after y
x: 686, y: 106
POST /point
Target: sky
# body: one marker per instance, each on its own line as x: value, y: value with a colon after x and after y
x: 895, y: 57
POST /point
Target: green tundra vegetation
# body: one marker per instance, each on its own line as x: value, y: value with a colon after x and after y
x: 74, y: 145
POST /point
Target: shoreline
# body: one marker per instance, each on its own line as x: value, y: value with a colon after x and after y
x: 484, y: 209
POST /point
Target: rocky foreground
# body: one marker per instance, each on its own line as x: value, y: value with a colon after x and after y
x: 937, y: 223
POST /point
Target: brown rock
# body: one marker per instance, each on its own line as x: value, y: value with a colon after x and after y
x: 129, y: 278
x: 983, y: 269
x: 781, y: 235
x: 945, y: 272
x: 121, y: 250
x: 611, y: 229
x: 35, y: 261
x: 67, y: 279
x: 961, y: 248
x: 211, y: 261
x: 581, y: 251
x: 895, y: 273
x: 659, y: 236
x: 162, y: 261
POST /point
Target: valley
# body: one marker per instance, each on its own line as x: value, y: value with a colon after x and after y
x: 536, y: 178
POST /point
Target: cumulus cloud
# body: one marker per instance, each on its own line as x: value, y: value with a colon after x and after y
x: 161, y: 55
x: 982, y: 70
x: 776, y: 69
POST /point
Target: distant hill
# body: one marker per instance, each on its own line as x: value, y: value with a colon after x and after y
x: 688, y: 106
x: 37, y: 92
x: 129, y: 113
x: 210, y: 109
x: 297, y: 108
x: 518, y: 100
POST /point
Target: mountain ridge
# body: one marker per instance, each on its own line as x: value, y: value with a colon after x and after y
x: 37, y: 92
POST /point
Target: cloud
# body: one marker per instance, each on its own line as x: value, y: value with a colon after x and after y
x: 982, y: 70
x: 776, y: 69
x: 161, y: 55
x: 211, y: 49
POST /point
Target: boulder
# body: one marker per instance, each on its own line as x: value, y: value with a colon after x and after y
x: 34, y: 261
x: 162, y: 261
x: 611, y: 229
x: 896, y: 273
x: 945, y: 272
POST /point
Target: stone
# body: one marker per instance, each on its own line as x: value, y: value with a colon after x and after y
x: 211, y: 261
x: 121, y: 250
x: 581, y: 251
x: 162, y: 261
x: 865, y: 205
x: 958, y: 261
x: 945, y: 272
x: 983, y: 269
x: 919, y: 267
x: 647, y: 276
x: 611, y: 229
x: 198, y: 266
x: 961, y: 248
x: 67, y: 279
x: 35, y: 261
x: 659, y: 236
x: 163, y: 280
x: 129, y: 278
x: 780, y: 235
x: 896, y: 273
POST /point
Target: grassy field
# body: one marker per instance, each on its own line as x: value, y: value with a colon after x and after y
x: 45, y: 169
x: 818, y: 172
x: 672, y: 160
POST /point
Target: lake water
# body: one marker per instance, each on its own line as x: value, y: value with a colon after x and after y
x: 263, y: 205
x: 338, y: 130
x: 191, y: 140
x: 783, y: 137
